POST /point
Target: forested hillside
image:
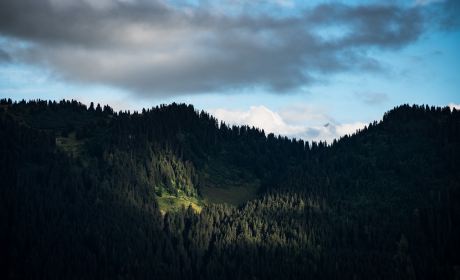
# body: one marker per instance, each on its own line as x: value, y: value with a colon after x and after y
x: 89, y: 193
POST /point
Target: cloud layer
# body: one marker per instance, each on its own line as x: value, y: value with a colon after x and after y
x: 174, y: 48
x: 281, y: 123
x: 453, y: 105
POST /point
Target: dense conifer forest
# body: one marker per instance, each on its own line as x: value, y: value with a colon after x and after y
x: 171, y: 193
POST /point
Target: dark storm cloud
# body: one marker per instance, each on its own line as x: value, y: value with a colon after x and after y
x: 76, y: 23
x: 370, y: 26
x: 153, y: 48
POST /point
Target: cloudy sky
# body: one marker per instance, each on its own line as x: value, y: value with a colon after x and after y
x: 286, y: 66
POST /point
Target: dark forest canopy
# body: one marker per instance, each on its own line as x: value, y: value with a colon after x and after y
x: 171, y: 193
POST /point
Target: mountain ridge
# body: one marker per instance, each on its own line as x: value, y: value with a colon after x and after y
x: 383, y: 199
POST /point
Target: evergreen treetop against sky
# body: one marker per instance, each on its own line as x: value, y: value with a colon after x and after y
x: 286, y: 66
x: 82, y: 188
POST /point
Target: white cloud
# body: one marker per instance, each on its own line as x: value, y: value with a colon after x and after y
x: 257, y: 116
x: 345, y: 129
x: 301, y: 113
x: 273, y: 122
x: 452, y: 106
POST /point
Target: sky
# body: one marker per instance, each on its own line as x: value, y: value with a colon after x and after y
x: 312, y: 70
